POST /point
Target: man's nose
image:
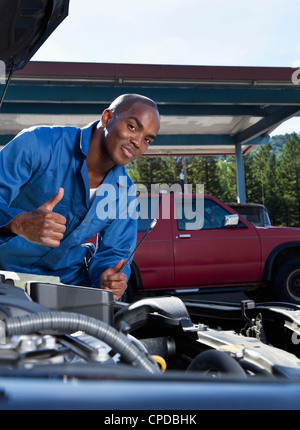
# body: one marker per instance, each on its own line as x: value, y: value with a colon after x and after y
x: 137, y: 140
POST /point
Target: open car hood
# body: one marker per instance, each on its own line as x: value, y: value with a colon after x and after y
x: 24, y: 27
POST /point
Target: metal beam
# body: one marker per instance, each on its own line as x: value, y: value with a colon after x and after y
x: 240, y: 175
x: 267, y: 123
x: 181, y: 140
x: 39, y: 107
x: 93, y: 93
x: 5, y: 138
x: 193, y: 140
x: 202, y: 139
x: 173, y: 140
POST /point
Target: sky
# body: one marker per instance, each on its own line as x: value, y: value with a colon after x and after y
x: 185, y: 32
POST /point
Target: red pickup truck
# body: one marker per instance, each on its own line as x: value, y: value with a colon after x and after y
x: 224, y: 250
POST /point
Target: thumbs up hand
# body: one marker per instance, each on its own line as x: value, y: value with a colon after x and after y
x: 113, y: 279
x: 42, y: 225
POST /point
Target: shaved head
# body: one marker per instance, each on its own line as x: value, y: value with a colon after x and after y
x: 123, y: 102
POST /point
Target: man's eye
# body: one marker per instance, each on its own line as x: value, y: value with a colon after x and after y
x: 131, y: 127
x: 147, y: 141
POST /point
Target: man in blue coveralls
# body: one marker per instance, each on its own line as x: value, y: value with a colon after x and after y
x: 50, y: 192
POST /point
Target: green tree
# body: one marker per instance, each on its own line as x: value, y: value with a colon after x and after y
x: 205, y: 170
x: 262, y: 181
x: 156, y: 170
x: 227, y: 177
x: 289, y: 177
x: 272, y: 176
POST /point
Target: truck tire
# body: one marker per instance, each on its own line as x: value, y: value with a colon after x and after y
x: 287, y: 281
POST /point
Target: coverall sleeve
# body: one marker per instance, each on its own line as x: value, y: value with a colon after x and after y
x: 18, y: 159
x: 116, y: 243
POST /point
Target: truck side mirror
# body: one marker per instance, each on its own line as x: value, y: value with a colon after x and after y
x: 231, y: 220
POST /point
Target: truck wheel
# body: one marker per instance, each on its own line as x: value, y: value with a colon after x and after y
x: 287, y: 281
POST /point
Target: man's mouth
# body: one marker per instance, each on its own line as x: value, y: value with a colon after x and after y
x: 127, y: 151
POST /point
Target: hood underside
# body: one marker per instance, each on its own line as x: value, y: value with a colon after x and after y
x: 24, y: 27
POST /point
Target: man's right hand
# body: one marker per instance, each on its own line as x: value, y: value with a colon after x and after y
x: 42, y: 225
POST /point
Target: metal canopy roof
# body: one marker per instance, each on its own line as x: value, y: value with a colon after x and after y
x: 204, y: 110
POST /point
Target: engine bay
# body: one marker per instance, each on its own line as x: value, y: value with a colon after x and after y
x: 56, y: 330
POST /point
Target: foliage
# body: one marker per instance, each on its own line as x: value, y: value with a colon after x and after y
x: 156, y: 170
x: 272, y: 175
x: 205, y: 171
x: 289, y: 179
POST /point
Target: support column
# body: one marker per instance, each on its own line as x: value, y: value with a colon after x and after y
x: 240, y: 175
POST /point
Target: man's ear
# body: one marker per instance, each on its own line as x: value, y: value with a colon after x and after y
x: 106, y: 117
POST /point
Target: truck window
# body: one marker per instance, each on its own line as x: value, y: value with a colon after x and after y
x: 213, y: 215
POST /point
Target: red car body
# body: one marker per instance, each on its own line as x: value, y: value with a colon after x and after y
x: 215, y: 255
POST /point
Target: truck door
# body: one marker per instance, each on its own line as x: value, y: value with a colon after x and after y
x: 211, y: 254
x: 155, y: 258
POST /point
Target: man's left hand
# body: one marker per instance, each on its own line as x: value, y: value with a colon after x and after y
x: 114, y: 280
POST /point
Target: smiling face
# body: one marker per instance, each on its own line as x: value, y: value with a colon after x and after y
x: 127, y: 134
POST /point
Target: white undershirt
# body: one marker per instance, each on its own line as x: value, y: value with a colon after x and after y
x: 93, y: 192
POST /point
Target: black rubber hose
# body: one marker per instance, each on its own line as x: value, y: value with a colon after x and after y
x: 68, y: 322
x: 216, y: 361
x: 163, y: 346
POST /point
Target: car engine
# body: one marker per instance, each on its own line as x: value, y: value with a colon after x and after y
x: 65, y: 331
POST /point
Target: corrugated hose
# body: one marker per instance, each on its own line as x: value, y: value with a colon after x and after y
x: 68, y: 322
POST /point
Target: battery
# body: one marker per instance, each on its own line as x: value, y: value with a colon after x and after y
x: 92, y: 302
